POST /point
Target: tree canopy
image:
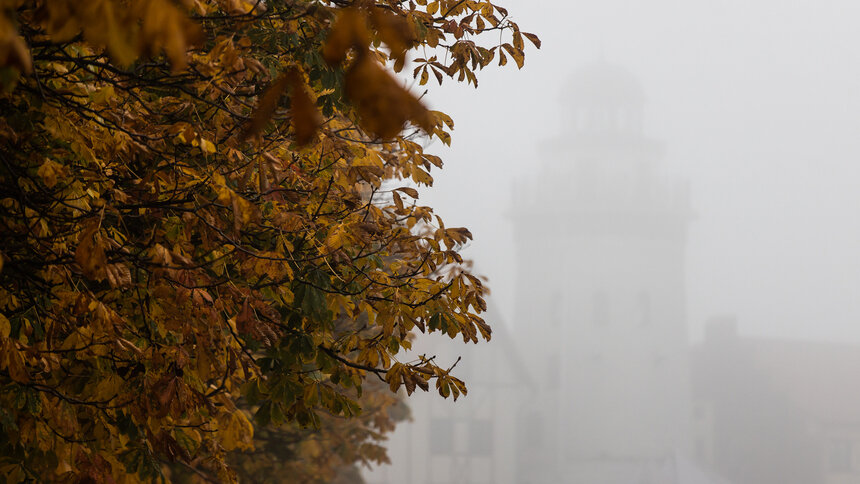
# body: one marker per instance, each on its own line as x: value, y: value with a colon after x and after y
x: 210, y: 240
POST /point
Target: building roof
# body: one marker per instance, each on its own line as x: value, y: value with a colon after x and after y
x: 821, y: 379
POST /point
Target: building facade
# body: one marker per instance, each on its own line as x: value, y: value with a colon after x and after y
x: 770, y: 411
x: 596, y: 383
x: 475, y: 440
x: 601, y: 236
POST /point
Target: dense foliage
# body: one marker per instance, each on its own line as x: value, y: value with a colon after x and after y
x: 210, y: 246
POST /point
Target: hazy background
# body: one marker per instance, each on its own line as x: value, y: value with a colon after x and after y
x: 758, y: 104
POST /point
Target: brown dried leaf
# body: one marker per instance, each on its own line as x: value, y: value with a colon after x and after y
x: 394, y: 30
x: 303, y: 110
x: 90, y: 254
x: 165, y: 27
x: 533, y: 38
x: 13, y: 49
x: 266, y: 107
x: 349, y: 31
x: 118, y: 275
x: 409, y: 191
x: 383, y: 106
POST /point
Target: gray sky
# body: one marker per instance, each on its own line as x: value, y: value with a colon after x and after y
x: 758, y: 104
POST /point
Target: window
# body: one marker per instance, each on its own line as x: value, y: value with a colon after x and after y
x: 581, y: 119
x: 699, y: 411
x: 700, y: 448
x: 600, y: 308
x: 530, y: 431
x: 555, y: 309
x: 553, y: 373
x: 644, y: 309
x: 441, y: 436
x: 481, y: 437
x: 621, y: 119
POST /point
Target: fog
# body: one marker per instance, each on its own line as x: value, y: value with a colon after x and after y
x: 676, y: 296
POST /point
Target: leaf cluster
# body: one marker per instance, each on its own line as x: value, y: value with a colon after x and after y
x: 210, y: 240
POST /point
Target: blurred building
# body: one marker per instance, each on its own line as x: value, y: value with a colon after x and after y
x: 774, y: 411
x: 599, y: 384
x: 601, y: 235
x: 475, y: 440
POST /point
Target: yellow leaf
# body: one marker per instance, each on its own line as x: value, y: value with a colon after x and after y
x: 517, y: 54
x: 335, y: 238
x: 103, y: 95
x: 207, y: 146
x: 236, y: 431
x: 443, y: 118
x: 15, y: 365
x: 286, y: 295
x: 49, y: 171
x: 5, y: 327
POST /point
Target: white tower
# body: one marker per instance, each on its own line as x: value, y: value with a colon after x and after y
x: 601, y: 246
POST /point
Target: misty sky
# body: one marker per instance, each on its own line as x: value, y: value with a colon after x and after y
x: 758, y: 104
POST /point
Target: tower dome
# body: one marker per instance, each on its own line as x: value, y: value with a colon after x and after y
x: 604, y: 99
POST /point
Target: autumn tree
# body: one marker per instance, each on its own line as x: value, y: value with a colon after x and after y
x: 209, y: 233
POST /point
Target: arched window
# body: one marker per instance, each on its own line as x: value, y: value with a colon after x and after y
x: 481, y: 437
x: 441, y: 436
